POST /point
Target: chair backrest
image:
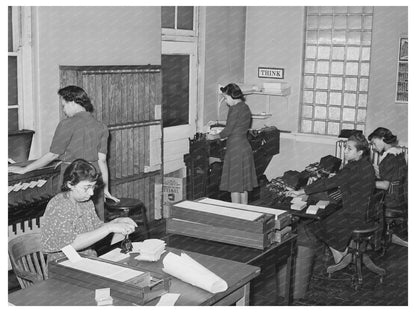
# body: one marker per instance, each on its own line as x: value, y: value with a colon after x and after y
x: 375, y: 207
x: 26, y: 256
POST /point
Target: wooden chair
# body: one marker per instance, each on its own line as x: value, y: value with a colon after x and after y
x: 28, y: 262
x: 360, y: 239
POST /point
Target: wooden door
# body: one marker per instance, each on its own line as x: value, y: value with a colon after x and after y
x: 128, y: 100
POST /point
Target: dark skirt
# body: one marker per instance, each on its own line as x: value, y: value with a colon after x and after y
x: 238, y: 172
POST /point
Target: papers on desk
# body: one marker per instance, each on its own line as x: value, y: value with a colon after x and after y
x: 149, y: 249
x: 298, y: 205
x: 114, y: 255
x: 312, y: 209
x: 190, y: 271
x: 104, y: 269
x: 322, y: 204
x: 168, y: 299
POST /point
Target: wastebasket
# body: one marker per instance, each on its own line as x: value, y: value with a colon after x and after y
x: 303, y: 272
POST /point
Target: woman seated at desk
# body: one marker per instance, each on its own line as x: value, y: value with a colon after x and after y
x: 356, y: 182
x: 70, y: 217
x: 391, y: 172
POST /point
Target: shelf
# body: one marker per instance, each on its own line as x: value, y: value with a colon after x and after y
x: 283, y: 92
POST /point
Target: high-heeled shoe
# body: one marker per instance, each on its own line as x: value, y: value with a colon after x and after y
x: 345, y: 260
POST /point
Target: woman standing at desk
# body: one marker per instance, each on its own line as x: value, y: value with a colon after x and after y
x: 238, y: 172
x: 391, y: 171
x: 356, y: 182
x: 78, y: 136
x: 70, y: 217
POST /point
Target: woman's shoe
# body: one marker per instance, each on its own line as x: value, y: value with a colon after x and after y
x: 345, y: 261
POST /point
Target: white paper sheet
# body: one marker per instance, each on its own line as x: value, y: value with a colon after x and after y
x: 104, y: 269
x: 117, y: 237
x: 114, y: 255
x: 224, y: 211
x: 71, y: 254
x: 190, y: 271
x: 275, y: 212
x: 312, y: 209
x: 168, y: 299
x: 322, y: 204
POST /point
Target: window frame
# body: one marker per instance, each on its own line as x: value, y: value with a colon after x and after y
x: 175, y: 34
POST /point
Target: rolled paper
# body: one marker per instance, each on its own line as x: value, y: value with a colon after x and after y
x: 190, y: 271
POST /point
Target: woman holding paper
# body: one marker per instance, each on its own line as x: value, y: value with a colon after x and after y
x: 238, y: 171
x: 70, y: 217
x: 356, y: 182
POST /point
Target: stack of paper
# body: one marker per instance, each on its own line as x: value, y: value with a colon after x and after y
x: 312, y: 209
x: 102, y: 297
x: 192, y: 272
x: 298, y: 205
x: 322, y: 204
x: 115, y: 255
x: 149, y: 249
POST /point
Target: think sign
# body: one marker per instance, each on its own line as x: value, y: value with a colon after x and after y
x: 271, y: 72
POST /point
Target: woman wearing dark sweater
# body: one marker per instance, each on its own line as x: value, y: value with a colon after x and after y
x: 356, y: 182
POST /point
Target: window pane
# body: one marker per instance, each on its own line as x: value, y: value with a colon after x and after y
x: 362, y: 100
x: 337, y: 68
x: 334, y: 113
x: 311, y: 52
x: 368, y: 22
x: 311, y: 36
x: 353, y: 53
x: 308, y: 82
x: 324, y: 52
x: 10, y: 30
x: 310, y: 67
x: 306, y: 126
x: 339, y: 37
x: 320, y: 112
x: 340, y: 22
x: 348, y: 114
x: 363, y: 84
x: 324, y: 37
x: 336, y: 83
x: 365, y: 69
x: 185, y: 17
x: 350, y: 99
x: 175, y: 90
x: 361, y: 113
x: 340, y: 9
x: 323, y: 67
x: 13, y: 100
x: 354, y: 37
x: 335, y: 98
x: 321, y: 98
x: 321, y: 82
x: 366, y: 38
x: 365, y: 56
x: 13, y: 119
x: 355, y: 9
x: 352, y: 68
x: 312, y: 22
x: 319, y: 127
x: 350, y: 84
x: 307, y: 111
x: 354, y: 22
x: 338, y: 53
x: 325, y: 22
x: 308, y: 97
x: 168, y: 17
x: 333, y: 128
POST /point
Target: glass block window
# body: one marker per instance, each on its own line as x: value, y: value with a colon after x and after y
x: 336, y: 69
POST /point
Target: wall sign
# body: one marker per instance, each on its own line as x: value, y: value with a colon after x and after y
x: 271, y: 72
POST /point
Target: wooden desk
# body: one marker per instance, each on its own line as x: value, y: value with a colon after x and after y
x: 237, y: 275
x: 269, y: 260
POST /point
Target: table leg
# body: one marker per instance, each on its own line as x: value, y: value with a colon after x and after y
x: 244, y: 301
x: 290, y: 276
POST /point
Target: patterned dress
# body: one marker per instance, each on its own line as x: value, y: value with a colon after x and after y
x: 356, y: 182
x: 63, y: 220
x: 238, y: 172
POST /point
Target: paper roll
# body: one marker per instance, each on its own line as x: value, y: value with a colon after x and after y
x: 188, y: 270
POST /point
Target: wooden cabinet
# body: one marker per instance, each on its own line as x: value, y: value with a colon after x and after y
x: 128, y: 100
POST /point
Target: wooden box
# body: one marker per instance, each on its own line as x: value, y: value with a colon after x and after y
x: 139, y: 290
x: 257, y: 232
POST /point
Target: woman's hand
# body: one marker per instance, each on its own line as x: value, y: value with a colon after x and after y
x: 17, y: 169
x: 123, y: 228
x: 295, y: 193
x: 109, y: 196
x: 124, y: 220
x: 211, y: 137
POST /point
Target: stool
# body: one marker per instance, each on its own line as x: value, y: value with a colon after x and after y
x: 357, y: 255
x: 127, y: 207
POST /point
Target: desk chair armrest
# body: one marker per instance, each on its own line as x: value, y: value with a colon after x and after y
x: 33, y: 277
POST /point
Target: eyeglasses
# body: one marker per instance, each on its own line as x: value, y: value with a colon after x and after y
x: 87, y: 188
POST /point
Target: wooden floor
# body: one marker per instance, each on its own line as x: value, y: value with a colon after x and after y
x: 337, y: 290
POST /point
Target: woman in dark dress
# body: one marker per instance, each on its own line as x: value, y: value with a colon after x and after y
x: 356, y: 182
x: 238, y: 173
x: 391, y: 171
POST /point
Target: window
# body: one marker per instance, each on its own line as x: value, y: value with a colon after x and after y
x: 402, y: 72
x: 20, y: 84
x: 13, y: 100
x: 336, y: 69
